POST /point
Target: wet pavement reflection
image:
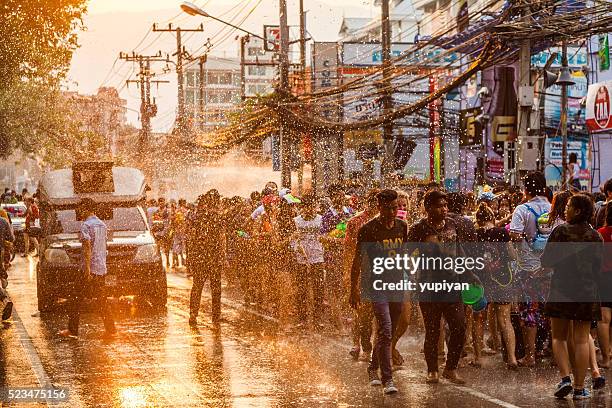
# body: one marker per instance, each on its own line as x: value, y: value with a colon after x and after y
x: 246, y: 361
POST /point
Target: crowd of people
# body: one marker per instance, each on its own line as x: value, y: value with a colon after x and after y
x: 297, y: 258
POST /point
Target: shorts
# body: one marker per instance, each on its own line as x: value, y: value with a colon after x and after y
x: 178, y: 244
x: 583, y: 311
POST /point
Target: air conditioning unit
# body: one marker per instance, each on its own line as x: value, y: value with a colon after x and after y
x: 528, y: 148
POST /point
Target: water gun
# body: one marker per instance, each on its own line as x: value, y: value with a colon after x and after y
x: 339, y: 231
x: 243, y: 234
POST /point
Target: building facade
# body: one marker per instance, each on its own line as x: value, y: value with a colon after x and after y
x: 260, y: 70
x: 103, y: 113
x: 209, y: 99
x: 208, y: 102
x: 403, y: 18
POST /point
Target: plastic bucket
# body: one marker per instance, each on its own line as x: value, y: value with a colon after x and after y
x: 472, y: 295
x: 480, y: 305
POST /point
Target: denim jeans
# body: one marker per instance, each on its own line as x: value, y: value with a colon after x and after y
x: 387, y: 315
x: 454, y: 315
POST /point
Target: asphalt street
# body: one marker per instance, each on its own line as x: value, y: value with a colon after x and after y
x: 249, y: 360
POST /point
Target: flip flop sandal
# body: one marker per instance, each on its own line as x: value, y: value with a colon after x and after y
x: 523, y: 364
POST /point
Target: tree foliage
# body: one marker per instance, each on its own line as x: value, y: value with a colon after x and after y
x: 37, y: 39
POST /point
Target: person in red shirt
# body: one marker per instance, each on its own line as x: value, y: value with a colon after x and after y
x: 603, y: 326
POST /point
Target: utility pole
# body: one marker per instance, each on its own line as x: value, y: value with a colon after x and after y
x: 180, y: 53
x: 243, y: 40
x: 201, y: 63
x: 564, y: 66
x: 303, y: 43
x: 300, y: 172
x: 285, y: 138
x: 148, y: 109
x: 515, y: 150
x: 387, y: 92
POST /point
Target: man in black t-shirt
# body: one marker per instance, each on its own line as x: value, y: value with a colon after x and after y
x: 387, y: 233
x: 207, y: 254
x: 441, y: 231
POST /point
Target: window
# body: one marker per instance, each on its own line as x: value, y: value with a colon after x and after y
x: 190, y: 78
x: 258, y: 89
x: 257, y: 71
x: 252, y: 89
x: 189, y: 97
x: 255, y: 51
x: 220, y: 97
x: 116, y: 219
x: 225, y: 97
x: 264, y: 89
x: 215, y: 117
x: 225, y: 78
x: 220, y: 78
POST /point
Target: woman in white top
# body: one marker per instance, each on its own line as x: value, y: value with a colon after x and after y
x: 573, y: 170
x: 308, y: 249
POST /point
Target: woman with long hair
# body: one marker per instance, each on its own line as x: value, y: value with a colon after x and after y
x: 573, y: 297
x: 556, y: 215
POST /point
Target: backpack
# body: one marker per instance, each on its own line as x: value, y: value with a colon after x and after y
x: 600, y: 214
x: 538, y: 242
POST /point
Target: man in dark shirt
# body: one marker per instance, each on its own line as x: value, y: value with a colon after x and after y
x: 207, y: 254
x: 456, y: 208
x: 388, y: 233
x: 438, y: 228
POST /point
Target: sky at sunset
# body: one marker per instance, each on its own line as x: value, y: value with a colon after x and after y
x: 121, y: 25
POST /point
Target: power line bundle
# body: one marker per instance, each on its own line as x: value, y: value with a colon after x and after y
x: 493, y: 41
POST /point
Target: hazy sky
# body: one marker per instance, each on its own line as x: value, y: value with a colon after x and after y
x: 105, y: 6
x: 125, y: 25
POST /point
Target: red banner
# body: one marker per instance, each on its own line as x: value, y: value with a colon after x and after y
x: 598, y: 112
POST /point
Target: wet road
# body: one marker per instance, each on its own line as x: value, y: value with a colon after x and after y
x: 248, y: 361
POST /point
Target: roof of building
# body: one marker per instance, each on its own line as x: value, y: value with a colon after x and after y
x: 373, y: 25
x: 217, y: 64
x: 352, y: 24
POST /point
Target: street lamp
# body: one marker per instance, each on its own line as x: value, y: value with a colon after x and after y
x: 194, y: 10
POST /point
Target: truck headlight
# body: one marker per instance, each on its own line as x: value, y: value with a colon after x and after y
x: 147, y: 253
x: 57, y: 256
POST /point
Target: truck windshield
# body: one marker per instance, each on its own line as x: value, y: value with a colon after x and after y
x: 123, y: 219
